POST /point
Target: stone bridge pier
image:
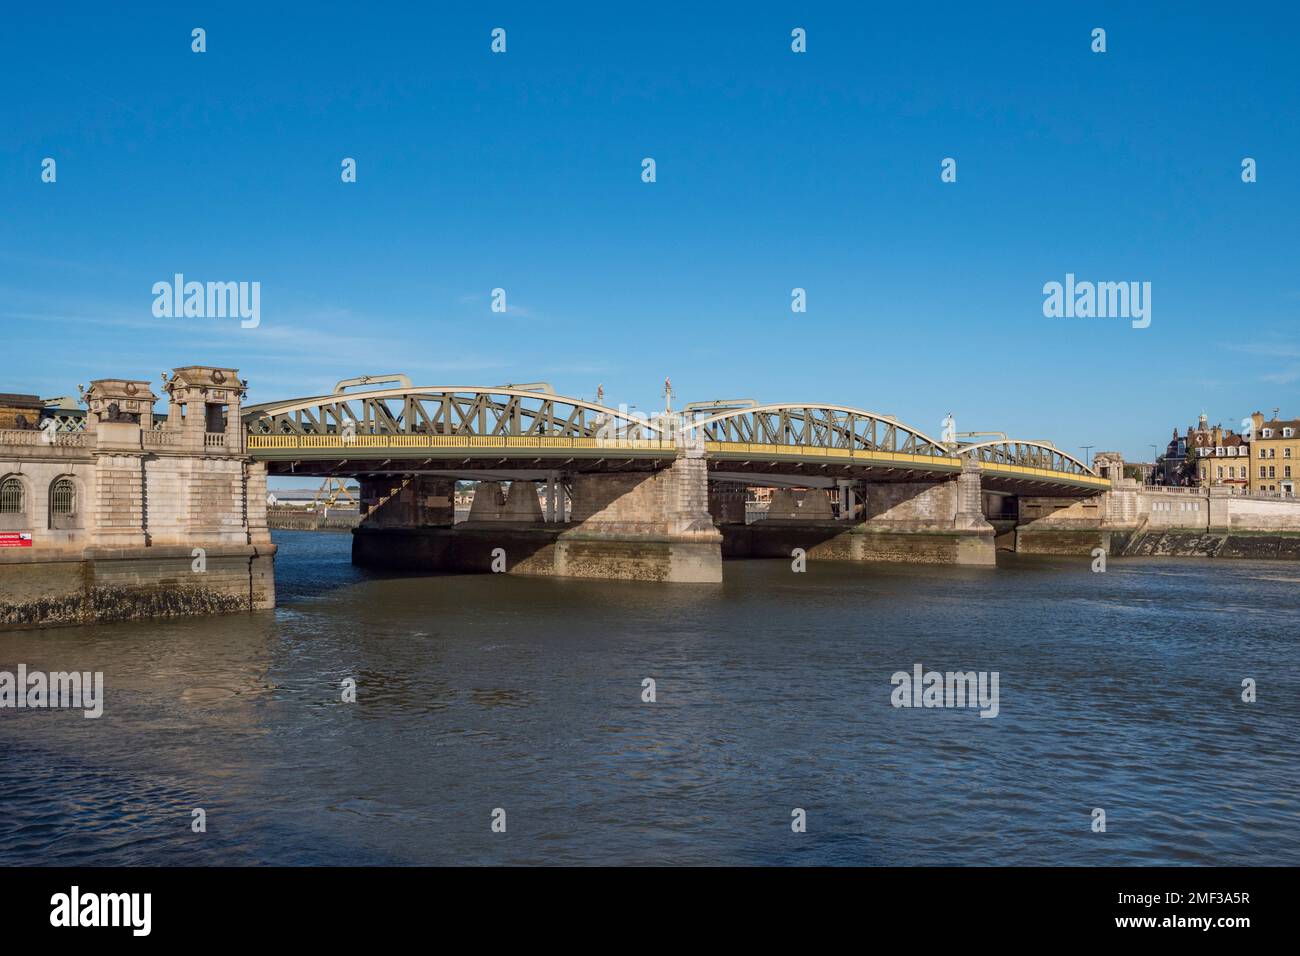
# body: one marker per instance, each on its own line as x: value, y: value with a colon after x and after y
x: 938, y: 521
x: 929, y: 522
x: 647, y: 525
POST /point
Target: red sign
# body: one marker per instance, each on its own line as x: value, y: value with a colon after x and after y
x: 15, y: 539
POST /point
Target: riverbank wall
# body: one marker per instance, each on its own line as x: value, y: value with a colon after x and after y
x: 1142, y: 521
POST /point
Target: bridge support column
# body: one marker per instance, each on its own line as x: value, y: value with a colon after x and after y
x: 493, y: 505
x: 646, y: 526
x: 120, y: 499
x: 848, y: 499
x: 523, y: 505
x: 553, y: 490
x: 927, y: 522
x: 970, y: 499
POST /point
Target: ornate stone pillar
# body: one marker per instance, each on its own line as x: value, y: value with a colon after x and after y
x: 116, y: 408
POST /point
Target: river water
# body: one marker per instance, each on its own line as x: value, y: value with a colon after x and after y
x: 1118, y: 691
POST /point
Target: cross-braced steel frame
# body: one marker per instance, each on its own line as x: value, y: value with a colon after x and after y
x: 469, y: 411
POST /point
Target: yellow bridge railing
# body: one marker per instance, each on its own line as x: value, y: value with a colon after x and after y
x: 822, y: 451
x: 343, y: 442
x: 993, y: 467
x: 453, y: 441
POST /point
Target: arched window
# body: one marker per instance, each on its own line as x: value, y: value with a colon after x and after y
x: 63, y: 497
x: 12, y: 499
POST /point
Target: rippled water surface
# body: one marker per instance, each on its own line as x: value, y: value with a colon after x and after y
x: 1118, y: 690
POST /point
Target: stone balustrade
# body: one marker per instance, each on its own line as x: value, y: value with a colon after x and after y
x: 32, y: 437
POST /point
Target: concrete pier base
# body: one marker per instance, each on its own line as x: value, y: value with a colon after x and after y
x: 540, y: 550
x: 927, y: 546
x: 839, y: 542
x: 666, y: 558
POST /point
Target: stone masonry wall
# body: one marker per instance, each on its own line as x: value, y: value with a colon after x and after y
x: 622, y: 503
x: 131, y: 583
x: 1062, y: 512
x: 669, y: 501
x: 215, y: 489
x: 118, y: 500
x: 920, y: 504
x: 38, y: 477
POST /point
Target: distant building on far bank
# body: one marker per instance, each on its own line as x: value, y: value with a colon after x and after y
x: 1108, y: 464
x: 1143, y: 472
x: 1207, y: 455
x: 1275, y: 453
x: 307, y: 499
x: 1111, y: 464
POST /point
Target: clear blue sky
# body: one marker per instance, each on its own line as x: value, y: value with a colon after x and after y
x: 775, y: 170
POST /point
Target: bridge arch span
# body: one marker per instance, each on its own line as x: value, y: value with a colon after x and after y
x: 817, y: 425
x: 1022, y: 454
x: 457, y: 410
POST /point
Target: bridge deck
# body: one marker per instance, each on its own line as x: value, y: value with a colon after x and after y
x: 402, y: 452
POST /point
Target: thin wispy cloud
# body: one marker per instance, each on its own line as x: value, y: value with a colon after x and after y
x: 1282, y: 378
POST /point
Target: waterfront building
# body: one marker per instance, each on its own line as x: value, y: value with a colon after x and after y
x: 1207, y: 456
x: 1275, y: 455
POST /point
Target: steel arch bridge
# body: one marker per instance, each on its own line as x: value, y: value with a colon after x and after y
x: 472, y: 429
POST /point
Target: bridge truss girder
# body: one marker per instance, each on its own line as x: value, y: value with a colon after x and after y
x: 821, y: 426
x: 470, y: 411
x: 1025, y: 454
